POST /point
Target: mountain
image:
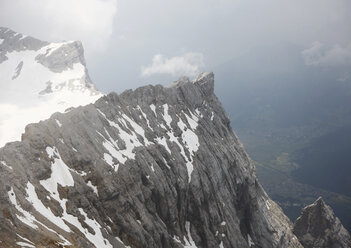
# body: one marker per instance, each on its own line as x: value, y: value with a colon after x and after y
x: 154, y: 167
x: 319, y: 227
x: 37, y: 79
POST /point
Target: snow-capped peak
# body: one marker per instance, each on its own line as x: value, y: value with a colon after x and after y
x: 38, y: 78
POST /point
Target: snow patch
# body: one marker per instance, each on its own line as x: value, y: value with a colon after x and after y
x: 58, y: 123
x: 44, y: 211
x: 177, y: 239
x: 249, y: 240
x: 190, y: 140
x: 189, y: 242
x: 23, y: 244
x: 5, y: 164
x: 198, y: 112
x: 130, y: 138
x: 27, y: 240
x: 145, y: 117
x: 82, y: 174
x: 166, y: 116
x: 153, y: 108
x: 268, y: 204
x: 94, y: 188
x: 51, y: 185
x: 165, y: 161
x: 25, y: 216
x: 163, y: 141
x: 109, y: 160
x: 60, y: 172
x: 97, y: 239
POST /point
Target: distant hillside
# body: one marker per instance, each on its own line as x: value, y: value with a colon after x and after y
x: 296, y: 125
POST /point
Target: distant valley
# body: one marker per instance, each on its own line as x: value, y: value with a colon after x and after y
x: 297, y: 129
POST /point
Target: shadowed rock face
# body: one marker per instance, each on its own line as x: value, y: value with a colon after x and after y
x: 319, y: 227
x: 153, y: 167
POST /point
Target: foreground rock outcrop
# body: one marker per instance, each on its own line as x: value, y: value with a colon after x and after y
x: 154, y: 167
x: 319, y: 227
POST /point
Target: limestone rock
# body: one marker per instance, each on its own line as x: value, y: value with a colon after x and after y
x: 154, y: 167
x: 319, y: 227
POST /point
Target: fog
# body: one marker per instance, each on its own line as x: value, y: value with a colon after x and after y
x: 123, y: 37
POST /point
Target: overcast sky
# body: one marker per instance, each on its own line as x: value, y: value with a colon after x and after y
x: 131, y: 43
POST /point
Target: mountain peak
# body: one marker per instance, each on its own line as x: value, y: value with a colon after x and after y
x: 319, y: 227
x: 38, y: 79
x: 151, y: 167
x: 206, y: 81
x: 12, y: 41
x: 320, y: 203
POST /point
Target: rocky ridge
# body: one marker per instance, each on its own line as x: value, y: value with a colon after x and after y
x: 319, y: 227
x: 154, y: 167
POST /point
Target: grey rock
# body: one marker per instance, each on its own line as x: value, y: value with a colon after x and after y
x: 12, y: 41
x: 319, y: 227
x: 63, y: 57
x: 137, y: 149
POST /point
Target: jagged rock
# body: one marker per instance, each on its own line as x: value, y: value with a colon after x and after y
x: 319, y: 227
x: 154, y: 167
x: 12, y: 41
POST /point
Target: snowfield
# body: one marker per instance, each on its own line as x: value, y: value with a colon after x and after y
x: 30, y: 91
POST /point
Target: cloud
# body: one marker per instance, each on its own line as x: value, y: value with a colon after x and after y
x: 90, y: 21
x: 345, y: 77
x: 321, y: 55
x: 188, y: 64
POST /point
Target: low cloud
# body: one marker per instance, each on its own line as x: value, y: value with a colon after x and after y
x: 188, y: 64
x: 345, y: 77
x: 90, y: 21
x: 321, y: 55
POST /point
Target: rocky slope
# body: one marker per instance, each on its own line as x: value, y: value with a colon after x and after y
x: 37, y: 79
x: 319, y: 227
x: 154, y: 167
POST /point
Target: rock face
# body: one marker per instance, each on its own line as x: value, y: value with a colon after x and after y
x: 154, y: 167
x: 38, y: 79
x: 319, y: 227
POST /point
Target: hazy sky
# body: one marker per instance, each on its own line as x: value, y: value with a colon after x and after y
x: 131, y: 43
